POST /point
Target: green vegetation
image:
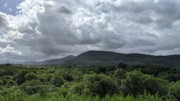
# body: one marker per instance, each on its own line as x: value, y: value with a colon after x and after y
x: 121, y: 83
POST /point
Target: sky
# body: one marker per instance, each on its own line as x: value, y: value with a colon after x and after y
x: 34, y: 30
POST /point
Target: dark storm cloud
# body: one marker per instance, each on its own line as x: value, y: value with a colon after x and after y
x: 165, y: 12
x: 64, y: 9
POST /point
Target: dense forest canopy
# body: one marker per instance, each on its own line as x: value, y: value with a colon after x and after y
x: 113, y: 83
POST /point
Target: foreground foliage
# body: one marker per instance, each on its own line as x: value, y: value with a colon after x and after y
x: 121, y: 83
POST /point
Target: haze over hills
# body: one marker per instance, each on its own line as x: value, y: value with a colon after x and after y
x: 107, y: 58
x: 57, y: 61
x: 52, y: 61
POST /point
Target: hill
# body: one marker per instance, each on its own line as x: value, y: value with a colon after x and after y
x: 106, y: 58
x: 52, y: 61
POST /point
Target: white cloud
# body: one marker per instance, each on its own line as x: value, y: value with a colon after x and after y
x: 9, y: 49
x: 11, y: 36
x: 51, y: 28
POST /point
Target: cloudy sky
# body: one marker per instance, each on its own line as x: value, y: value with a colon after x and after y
x: 32, y: 30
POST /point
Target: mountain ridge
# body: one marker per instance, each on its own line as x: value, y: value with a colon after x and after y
x: 109, y: 58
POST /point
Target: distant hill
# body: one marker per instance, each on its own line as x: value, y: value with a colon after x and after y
x: 106, y: 58
x: 52, y: 61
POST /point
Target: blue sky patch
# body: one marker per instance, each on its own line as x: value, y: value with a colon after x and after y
x: 9, y: 6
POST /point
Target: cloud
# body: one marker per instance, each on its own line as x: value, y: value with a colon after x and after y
x: 48, y: 29
x: 9, y: 49
x: 3, y: 21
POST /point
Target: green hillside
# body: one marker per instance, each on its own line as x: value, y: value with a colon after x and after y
x: 105, y: 58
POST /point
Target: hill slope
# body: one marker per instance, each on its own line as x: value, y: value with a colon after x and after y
x: 52, y: 61
x: 105, y: 58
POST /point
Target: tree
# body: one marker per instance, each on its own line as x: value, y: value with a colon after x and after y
x: 122, y: 65
x: 30, y: 76
x: 1, y: 82
x: 101, y: 85
x: 155, y: 85
x: 119, y: 73
x: 78, y: 88
x: 68, y: 76
x: 42, y: 90
x: 8, y: 71
x: 175, y: 89
x: 20, y: 79
x: 57, y: 81
x: 11, y: 83
x: 137, y: 83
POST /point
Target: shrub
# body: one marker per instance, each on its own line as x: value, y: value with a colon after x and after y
x: 137, y: 82
x: 45, y: 78
x: 68, y: 77
x: 175, y: 90
x: 8, y: 71
x: 30, y: 90
x: 57, y: 81
x: 102, y: 85
x: 35, y: 86
x: 30, y: 83
x: 20, y: 79
x: 30, y: 76
x: 155, y: 85
x: 78, y: 89
x: 120, y: 74
x: 1, y: 82
x: 122, y: 65
x: 11, y: 83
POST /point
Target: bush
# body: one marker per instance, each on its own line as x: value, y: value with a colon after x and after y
x: 34, y: 86
x: 45, y: 78
x: 20, y: 79
x: 30, y: 83
x: 68, y: 76
x: 1, y: 82
x: 137, y: 83
x: 120, y: 74
x: 57, y: 81
x: 175, y: 90
x: 30, y: 90
x: 155, y: 85
x: 122, y: 65
x: 8, y: 71
x: 11, y: 83
x: 101, y: 85
x: 78, y: 89
x: 30, y: 76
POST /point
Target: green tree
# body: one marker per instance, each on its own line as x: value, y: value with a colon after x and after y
x: 57, y: 81
x: 78, y: 88
x: 41, y: 89
x: 8, y: 71
x: 20, y: 77
x: 101, y: 85
x: 119, y: 73
x: 175, y: 89
x: 11, y: 83
x: 155, y: 85
x: 1, y: 82
x: 30, y: 76
x: 137, y: 83
x: 122, y: 65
